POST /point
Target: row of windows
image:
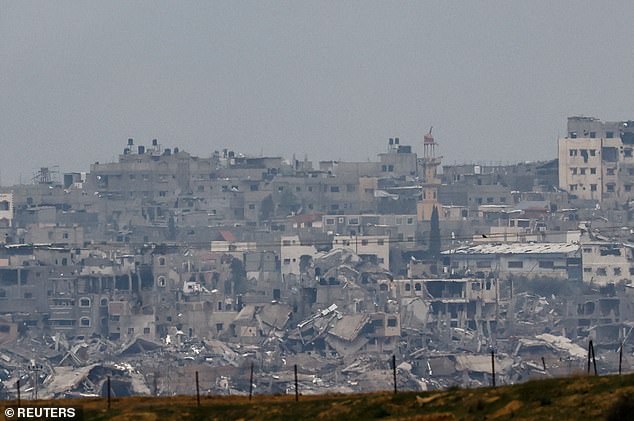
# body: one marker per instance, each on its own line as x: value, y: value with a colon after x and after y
x: 543, y: 264
x: 583, y: 170
x: 593, y: 187
x: 355, y: 221
x: 583, y: 152
x: 480, y: 200
x: 604, y: 271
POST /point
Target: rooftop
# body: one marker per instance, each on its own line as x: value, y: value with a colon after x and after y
x: 515, y: 248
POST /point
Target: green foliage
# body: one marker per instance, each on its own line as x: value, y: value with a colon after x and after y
x: 288, y: 202
x: 238, y: 276
x: 267, y: 208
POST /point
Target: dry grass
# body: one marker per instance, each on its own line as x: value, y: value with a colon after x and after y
x: 556, y: 399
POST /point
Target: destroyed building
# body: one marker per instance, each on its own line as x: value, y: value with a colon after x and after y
x: 163, y: 264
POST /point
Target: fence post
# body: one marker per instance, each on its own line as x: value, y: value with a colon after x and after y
x: 197, y: 391
x: 493, y: 368
x: 296, y: 385
x: 594, y: 362
x: 544, y: 363
x: 589, y: 355
x: 620, y: 358
x: 18, y: 386
x: 108, y: 392
x: 394, y: 372
x: 251, y: 383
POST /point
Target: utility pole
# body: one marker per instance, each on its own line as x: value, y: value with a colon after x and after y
x: 35, y: 368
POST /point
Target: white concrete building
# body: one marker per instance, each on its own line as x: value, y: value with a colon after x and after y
x: 605, y: 262
x: 6, y: 209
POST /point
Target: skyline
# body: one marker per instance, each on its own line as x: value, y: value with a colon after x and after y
x: 495, y: 80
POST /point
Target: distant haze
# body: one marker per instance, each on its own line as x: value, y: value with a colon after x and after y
x: 333, y: 80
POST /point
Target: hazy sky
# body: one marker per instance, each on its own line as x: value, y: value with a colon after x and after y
x: 332, y: 80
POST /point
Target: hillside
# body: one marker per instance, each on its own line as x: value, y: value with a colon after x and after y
x: 609, y: 397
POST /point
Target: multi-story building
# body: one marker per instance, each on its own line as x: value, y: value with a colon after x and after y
x: 596, y: 160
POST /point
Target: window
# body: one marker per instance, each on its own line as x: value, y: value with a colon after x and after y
x: 84, y: 322
x: 582, y: 171
x: 408, y: 287
x: 417, y: 286
x: 516, y: 264
x: 573, y: 187
x: 628, y: 187
x: 251, y: 206
x: 146, y: 330
x: 391, y: 322
x: 617, y: 271
x: 610, y: 187
x: 161, y: 261
x: 610, y: 171
x: 410, y: 221
x: 130, y: 331
x: 103, y: 302
x: 84, y: 302
x: 593, y: 152
x: 609, y: 154
x: 219, y: 327
x: 573, y: 152
x: 350, y: 188
x: 330, y: 221
x: 593, y: 171
x: 380, y: 242
x: 483, y: 264
x: 546, y: 264
x: 573, y: 171
x: 587, y: 270
x: 364, y: 242
x: 627, y: 152
x: 593, y: 134
x: 593, y: 187
x: 587, y: 249
x: 334, y: 189
x: 161, y: 281
x: 602, y: 272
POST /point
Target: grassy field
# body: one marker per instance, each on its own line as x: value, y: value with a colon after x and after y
x: 575, y: 398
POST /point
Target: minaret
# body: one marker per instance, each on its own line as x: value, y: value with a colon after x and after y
x: 431, y: 182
